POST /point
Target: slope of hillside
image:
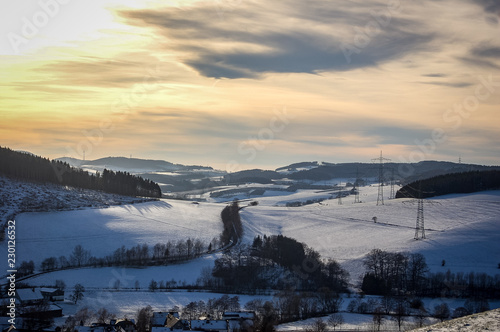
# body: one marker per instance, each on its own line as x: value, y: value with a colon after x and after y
x: 18, y: 196
x: 463, y: 230
x: 131, y: 165
x: 41, y: 235
x: 485, y: 321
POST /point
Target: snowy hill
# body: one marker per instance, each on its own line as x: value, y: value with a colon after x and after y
x: 460, y: 229
x: 131, y: 165
x: 102, y: 231
x: 463, y: 230
x: 20, y: 196
x: 485, y: 321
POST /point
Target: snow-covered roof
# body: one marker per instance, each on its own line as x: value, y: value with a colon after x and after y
x: 125, y: 321
x: 83, y: 329
x: 160, y: 329
x: 159, y: 318
x: 239, y: 314
x: 209, y: 325
x: 29, y: 294
x: 46, y: 290
x: 165, y: 318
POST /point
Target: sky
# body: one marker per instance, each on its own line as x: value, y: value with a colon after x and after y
x: 238, y: 84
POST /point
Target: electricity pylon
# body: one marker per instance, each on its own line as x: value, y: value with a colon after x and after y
x: 419, y: 227
x: 380, y: 197
x: 393, y: 194
x: 340, y: 193
x: 356, y: 187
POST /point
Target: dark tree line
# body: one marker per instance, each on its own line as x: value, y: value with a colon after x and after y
x: 213, y: 308
x: 233, y: 229
x: 285, y: 306
x: 275, y: 262
x: 139, y: 255
x: 32, y: 168
x: 455, y: 183
x: 403, y: 273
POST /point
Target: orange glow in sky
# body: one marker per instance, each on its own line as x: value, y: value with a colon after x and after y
x: 252, y: 83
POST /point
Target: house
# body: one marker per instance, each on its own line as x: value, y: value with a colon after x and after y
x: 43, y: 310
x: 210, y: 325
x: 240, y: 321
x: 238, y: 315
x: 95, y: 327
x: 125, y: 324
x: 52, y: 294
x: 29, y: 296
x: 165, y: 319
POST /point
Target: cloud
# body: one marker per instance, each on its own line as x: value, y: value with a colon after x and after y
x: 483, y: 55
x: 490, y: 6
x: 435, y: 75
x: 293, y: 37
x: 449, y: 84
x: 486, y: 51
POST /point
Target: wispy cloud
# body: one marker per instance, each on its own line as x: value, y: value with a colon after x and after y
x: 295, y: 37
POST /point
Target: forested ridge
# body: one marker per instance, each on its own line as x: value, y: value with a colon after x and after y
x: 456, y: 183
x: 33, y: 168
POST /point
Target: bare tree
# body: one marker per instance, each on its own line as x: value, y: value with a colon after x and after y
x: 441, y: 312
x: 189, y: 247
x: 198, y: 247
x: 421, y: 315
x: 378, y: 317
x: 318, y: 325
x: 153, y: 285
x: 84, y: 315
x: 78, y: 293
x: 79, y: 256
x: 143, y: 319
x: 335, y: 320
x: 330, y: 301
x: 400, y: 311
x: 104, y: 316
x: 181, y: 248
x: 60, y: 285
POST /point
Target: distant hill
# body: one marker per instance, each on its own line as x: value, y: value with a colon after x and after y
x: 399, y: 171
x: 292, y: 168
x: 252, y: 176
x: 131, y: 165
x: 28, y: 167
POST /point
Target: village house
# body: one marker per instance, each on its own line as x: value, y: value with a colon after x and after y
x: 209, y: 325
x: 29, y: 296
x: 52, y: 294
x: 240, y: 321
x: 125, y: 324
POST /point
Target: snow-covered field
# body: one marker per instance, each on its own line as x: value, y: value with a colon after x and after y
x: 485, y: 321
x: 19, y: 196
x: 41, y: 235
x: 463, y: 230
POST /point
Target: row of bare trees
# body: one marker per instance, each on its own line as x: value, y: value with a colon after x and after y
x: 161, y: 253
x: 407, y: 273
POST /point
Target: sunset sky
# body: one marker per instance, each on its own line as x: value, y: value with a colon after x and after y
x: 252, y: 83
